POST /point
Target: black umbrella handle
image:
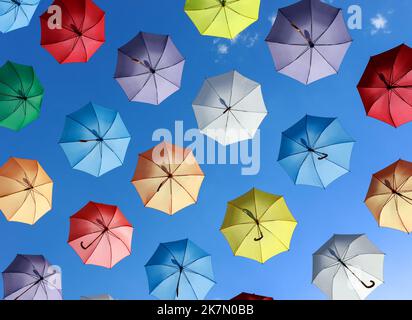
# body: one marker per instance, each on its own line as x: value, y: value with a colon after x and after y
x: 372, y: 284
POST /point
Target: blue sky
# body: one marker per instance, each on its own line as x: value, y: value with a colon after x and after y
x: 320, y: 213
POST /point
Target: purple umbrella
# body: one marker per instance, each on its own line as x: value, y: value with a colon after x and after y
x: 149, y: 68
x: 309, y: 40
x: 31, y: 277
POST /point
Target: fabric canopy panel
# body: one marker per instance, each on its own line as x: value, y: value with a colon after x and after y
x: 180, y: 270
x: 80, y: 35
x: 16, y: 14
x: 26, y: 191
x: 168, y: 178
x: 386, y: 86
x: 149, y: 68
x: 229, y: 108
x: 32, y: 277
x: 222, y: 18
x: 309, y: 40
x: 348, y: 267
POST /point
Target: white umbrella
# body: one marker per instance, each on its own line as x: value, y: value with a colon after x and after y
x: 229, y: 108
x: 348, y: 267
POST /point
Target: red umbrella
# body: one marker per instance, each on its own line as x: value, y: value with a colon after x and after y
x: 386, y: 86
x: 250, y: 296
x: 81, y: 32
x: 100, y: 234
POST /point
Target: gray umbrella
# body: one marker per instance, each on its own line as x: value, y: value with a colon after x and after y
x: 149, y: 68
x: 309, y: 40
x: 31, y: 277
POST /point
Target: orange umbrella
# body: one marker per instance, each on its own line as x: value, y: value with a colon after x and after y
x: 168, y: 178
x: 390, y: 196
x: 25, y: 191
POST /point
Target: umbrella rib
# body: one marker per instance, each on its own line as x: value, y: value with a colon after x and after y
x: 88, y: 153
x: 389, y: 107
x: 184, y: 189
x: 163, y: 52
x: 188, y: 264
x: 181, y: 163
x: 327, y: 28
x: 244, y: 239
x: 400, y: 96
x: 403, y: 76
x: 189, y: 284
x: 244, y: 97
x: 316, y: 169
x: 159, y: 75
x: 92, y: 252
x: 333, y: 44
x: 324, y: 58
x: 199, y: 274
x: 8, y: 85
x: 240, y: 14
x: 310, y: 65
x: 143, y: 86
x: 18, y: 76
x: 280, y: 241
x: 88, y: 29
x: 107, y: 146
x: 214, y: 18
x: 117, y: 237
x: 76, y: 40
x: 147, y: 50
x: 172, y: 65
x: 297, y: 58
x: 227, y: 22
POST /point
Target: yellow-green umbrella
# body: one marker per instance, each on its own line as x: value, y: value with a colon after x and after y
x: 258, y: 225
x: 222, y: 18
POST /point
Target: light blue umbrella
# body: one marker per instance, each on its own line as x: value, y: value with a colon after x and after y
x: 180, y: 270
x: 95, y: 139
x: 15, y: 14
x: 316, y: 151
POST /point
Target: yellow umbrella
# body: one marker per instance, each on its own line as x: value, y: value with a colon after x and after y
x: 258, y: 225
x: 168, y: 178
x: 25, y: 191
x: 222, y: 18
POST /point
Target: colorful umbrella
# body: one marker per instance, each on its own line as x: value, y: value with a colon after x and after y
x: 315, y: 151
x: 168, y: 178
x: 95, y: 140
x: 222, y: 18
x: 80, y: 34
x: 100, y: 234
x: 21, y: 95
x: 25, y: 191
x: 149, y: 68
x: 390, y: 196
x: 180, y: 270
x: 386, y: 86
x: 309, y: 40
x: 348, y: 267
x: 32, y: 277
x: 16, y: 14
x: 258, y: 225
x: 250, y: 296
x: 230, y: 108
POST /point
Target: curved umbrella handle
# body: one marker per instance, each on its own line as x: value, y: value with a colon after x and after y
x: 372, y: 284
x: 258, y: 239
x: 85, y: 247
x: 322, y: 156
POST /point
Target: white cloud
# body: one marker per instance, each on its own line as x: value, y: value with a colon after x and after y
x: 379, y: 23
x: 222, y: 48
x: 272, y: 18
x: 247, y: 40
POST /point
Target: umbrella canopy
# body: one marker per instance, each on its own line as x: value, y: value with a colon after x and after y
x: 21, y: 95
x: 16, y: 14
x: 390, y: 196
x: 81, y: 32
x: 180, y: 270
x: 149, y: 68
x: 26, y: 191
x: 258, y: 225
x: 100, y: 234
x: 348, y: 267
x: 229, y: 108
x: 95, y: 140
x: 99, y: 297
x: 315, y: 151
x: 250, y: 296
x: 222, y: 18
x: 386, y: 86
x: 309, y: 40
x: 32, y: 277
x: 168, y: 178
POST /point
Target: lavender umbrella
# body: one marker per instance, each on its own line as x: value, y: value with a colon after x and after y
x: 308, y: 40
x: 149, y: 68
x: 31, y: 277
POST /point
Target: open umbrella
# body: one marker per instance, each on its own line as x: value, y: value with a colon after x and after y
x: 100, y: 234
x: 99, y: 297
x: 95, y: 139
x: 389, y: 196
x: 180, y: 270
x: 21, y: 96
x: 149, y: 68
x: 222, y: 18
x: 230, y: 108
x: 250, y: 296
x: 348, y: 267
x: 309, y: 40
x: 16, y: 14
x: 315, y: 151
x: 25, y: 191
x: 168, y: 178
x: 32, y: 277
x: 80, y: 34
x: 258, y: 225
x: 386, y: 86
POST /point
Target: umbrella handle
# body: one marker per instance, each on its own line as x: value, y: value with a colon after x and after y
x: 258, y: 239
x: 322, y: 156
x: 85, y: 247
x: 372, y: 284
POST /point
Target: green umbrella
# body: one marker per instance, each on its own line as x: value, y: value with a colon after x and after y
x: 21, y: 95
